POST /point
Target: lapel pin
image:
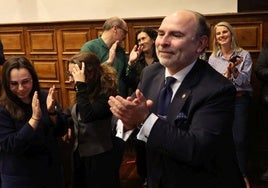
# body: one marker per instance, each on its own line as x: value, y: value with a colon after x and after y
x: 183, y: 96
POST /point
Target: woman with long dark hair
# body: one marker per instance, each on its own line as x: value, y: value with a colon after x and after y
x: 30, y: 122
x: 142, y: 55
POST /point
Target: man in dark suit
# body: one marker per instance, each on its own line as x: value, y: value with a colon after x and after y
x: 192, y: 146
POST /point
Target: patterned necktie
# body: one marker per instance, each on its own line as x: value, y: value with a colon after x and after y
x: 165, y: 97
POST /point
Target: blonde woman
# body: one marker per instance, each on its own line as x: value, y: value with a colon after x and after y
x: 235, y: 64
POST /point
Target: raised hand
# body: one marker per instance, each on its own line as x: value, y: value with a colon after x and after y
x: 37, y: 113
x: 79, y: 74
x: 135, y: 54
x: 51, y: 100
x: 112, y: 53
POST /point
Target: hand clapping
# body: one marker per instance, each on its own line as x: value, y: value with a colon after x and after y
x: 37, y: 113
x: 51, y: 100
x: 132, y: 112
x: 231, y: 68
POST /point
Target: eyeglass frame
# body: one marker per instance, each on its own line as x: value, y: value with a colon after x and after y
x: 125, y: 31
x: 69, y: 74
x: 25, y: 82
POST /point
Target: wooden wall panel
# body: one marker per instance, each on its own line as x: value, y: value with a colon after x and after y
x: 71, y: 97
x: 249, y: 35
x: 73, y: 39
x: 42, y: 41
x: 47, y: 70
x: 98, y: 32
x: 138, y: 27
x: 13, y: 41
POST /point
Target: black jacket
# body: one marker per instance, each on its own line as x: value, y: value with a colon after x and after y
x: 261, y: 71
x: 194, y: 146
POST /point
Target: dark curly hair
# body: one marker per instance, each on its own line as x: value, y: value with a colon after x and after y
x: 100, y: 78
x: 152, y: 33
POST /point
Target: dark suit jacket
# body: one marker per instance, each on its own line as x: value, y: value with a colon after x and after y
x: 193, y: 148
x: 31, y: 158
x: 261, y: 71
x: 93, y: 127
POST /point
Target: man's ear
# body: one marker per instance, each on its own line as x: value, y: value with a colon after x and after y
x: 203, y: 43
x: 115, y: 28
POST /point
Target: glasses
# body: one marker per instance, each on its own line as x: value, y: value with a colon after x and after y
x: 125, y: 31
x: 24, y: 83
x: 68, y: 74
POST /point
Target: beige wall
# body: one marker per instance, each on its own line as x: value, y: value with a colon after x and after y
x: 17, y: 11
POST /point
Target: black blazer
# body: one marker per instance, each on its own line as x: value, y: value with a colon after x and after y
x: 261, y: 70
x: 92, y: 137
x: 194, y: 147
x: 92, y: 123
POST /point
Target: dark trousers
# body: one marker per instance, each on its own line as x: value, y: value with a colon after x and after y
x: 98, y: 171
x: 52, y: 178
x: 141, y: 163
x: 240, y: 126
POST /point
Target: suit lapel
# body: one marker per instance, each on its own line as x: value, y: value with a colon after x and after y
x: 184, y: 91
x: 159, y: 78
x: 177, y: 103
